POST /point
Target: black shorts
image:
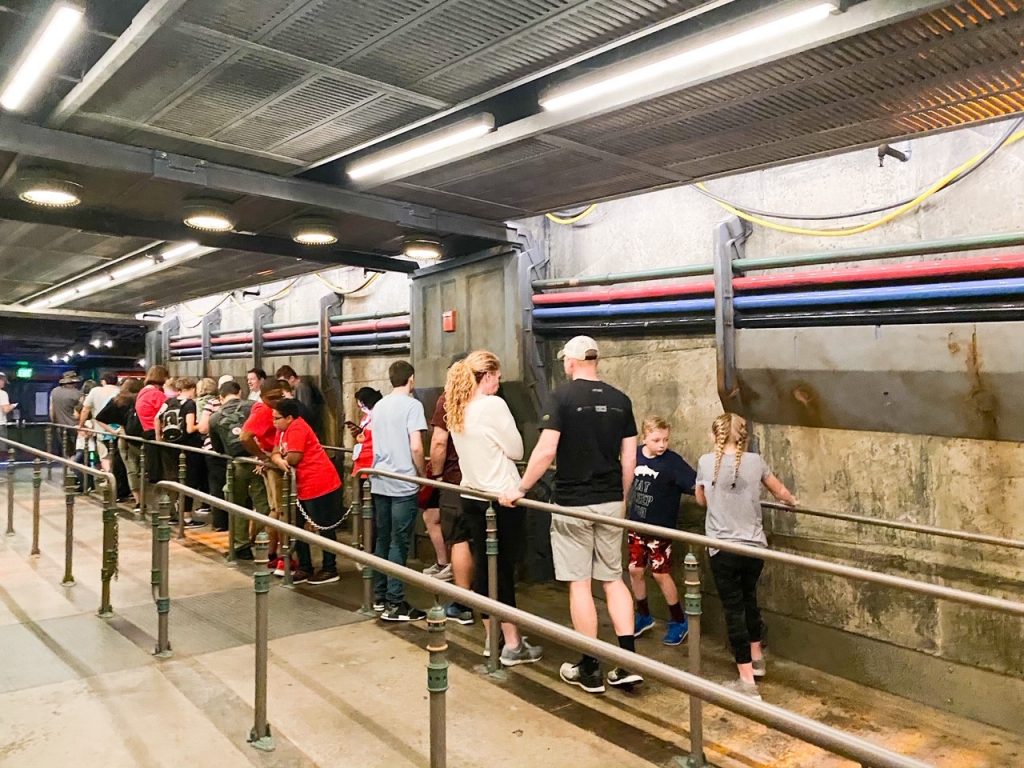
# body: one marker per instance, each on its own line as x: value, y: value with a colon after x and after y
x: 453, y: 524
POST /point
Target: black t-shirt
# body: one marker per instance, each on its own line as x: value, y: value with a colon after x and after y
x: 593, y: 419
x: 191, y: 439
x: 657, y: 485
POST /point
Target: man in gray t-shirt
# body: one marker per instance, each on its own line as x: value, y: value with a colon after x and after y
x: 398, y: 426
x: 63, y: 400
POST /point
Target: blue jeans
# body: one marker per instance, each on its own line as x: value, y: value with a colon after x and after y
x: 394, y: 517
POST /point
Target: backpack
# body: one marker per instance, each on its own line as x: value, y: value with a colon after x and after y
x: 132, y: 425
x: 172, y: 422
x: 228, y: 423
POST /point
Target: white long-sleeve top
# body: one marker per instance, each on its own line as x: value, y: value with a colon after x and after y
x: 489, y: 445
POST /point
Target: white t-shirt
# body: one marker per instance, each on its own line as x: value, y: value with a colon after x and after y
x: 98, y: 397
x: 4, y: 400
x: 488, y: 445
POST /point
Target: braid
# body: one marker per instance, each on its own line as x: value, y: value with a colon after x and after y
x: 742, y: 440
x: 720, y: 428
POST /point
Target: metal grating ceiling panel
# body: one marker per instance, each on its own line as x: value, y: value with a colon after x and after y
x: 242, y: 18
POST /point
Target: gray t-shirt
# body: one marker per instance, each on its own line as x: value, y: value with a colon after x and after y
x: 734, y: 514
x: 395, y: 417
x: 64, y: 399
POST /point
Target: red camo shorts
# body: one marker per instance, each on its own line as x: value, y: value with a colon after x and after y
x: 647, y: 550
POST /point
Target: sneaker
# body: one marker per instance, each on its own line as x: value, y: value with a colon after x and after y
x: 438, y: 571
x: 299, y: 577
x: 641, y: 624
x: 136, y: 510
x: 573, y: 674
x: 276, y: 566
x: 524, y: 654
x: 378, y: 605
x: 402, y: 612
x: 459, y: 613
x: 324, y: 577
x: 193, y: 523
x: 244, y: 553
x: 676, y: 632
x: 741, y: 686
x: 279, y: 566
x: 760, y: 667
x: 620, y: 678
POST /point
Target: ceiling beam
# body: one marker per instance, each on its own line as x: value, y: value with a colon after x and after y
x: 16, y: 310
x: 105, y: 223
x: 61, y: 147
x: 858, y: 19
x: 146, y: 22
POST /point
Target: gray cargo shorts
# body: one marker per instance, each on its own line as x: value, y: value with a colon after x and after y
x: 584, y: 550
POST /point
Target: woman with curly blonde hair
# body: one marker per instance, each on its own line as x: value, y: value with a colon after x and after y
x: 729, y: 481
x: 489, y: 444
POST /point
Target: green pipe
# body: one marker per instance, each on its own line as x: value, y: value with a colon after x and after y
x: 367, y: 316
x: 952, y: 245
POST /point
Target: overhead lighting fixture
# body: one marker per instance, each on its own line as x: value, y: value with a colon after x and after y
x: 208, y: 215
x: 47, y: 188
x: 652, y: 69
x: 308, y: 230
x: 435, y: 141
x: 422, y: 248
x: 141, y: 362
x: 54, y: 358
x: 62, y: 23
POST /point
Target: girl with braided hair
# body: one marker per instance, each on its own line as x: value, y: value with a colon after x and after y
x: 729, y: 484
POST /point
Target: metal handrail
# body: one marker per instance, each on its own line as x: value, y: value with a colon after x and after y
x: 979, y: 538
x: 158, y: 443
x: 109, y: 561
x: 808, y: 730
x: 822, y: 566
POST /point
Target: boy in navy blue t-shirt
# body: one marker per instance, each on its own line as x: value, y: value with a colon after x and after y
x: 661, y: 477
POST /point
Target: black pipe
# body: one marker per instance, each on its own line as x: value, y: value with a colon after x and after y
x: 633, y: 328
x: 370, y: 349
x: 881, y: 315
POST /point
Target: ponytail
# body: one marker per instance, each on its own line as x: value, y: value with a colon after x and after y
x: 461, y: 383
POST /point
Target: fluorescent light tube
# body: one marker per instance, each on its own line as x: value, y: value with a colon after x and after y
x: 56, y: 33
x: 179, y: 250
x: 133, y: 268
x: 625, y: 77
x: 425, y: 145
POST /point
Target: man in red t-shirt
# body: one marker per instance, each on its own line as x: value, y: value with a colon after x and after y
x: 259, y: 436
x: 318, y: 487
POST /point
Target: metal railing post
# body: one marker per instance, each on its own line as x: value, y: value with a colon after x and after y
x: 367, y: 539
x: 437, y: 684
x: 260, y: 737
x: 692, y: 603
x: 69, y: 526
x: 49, y: 448
x: 181, y: 497
x: 494, y: 624
x: 37, y: 481
x: 355, y: 504
x: 286, y: 516
x: 229, y: 495
x: 142, y: 481
x: 163, y: 598
x: 10, y: 491
x: 109, y: 567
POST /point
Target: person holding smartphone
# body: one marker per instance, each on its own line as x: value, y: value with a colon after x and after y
x: 362, y: 433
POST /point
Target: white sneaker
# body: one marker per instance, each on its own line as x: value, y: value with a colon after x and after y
x: 438, y: 571
x: 742, y: 687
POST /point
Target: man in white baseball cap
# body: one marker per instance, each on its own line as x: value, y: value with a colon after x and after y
x: 588, y: 426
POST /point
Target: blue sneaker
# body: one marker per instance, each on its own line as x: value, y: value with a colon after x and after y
x: 676, y: 632
x: 641, y: 624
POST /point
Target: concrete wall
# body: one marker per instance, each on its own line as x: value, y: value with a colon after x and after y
x: 961, y: 484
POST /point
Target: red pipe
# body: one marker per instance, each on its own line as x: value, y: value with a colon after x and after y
x: 241, y: 338
x: 902, y: 271
x: 299, y: 333
x: 186, y: 344
x: 373, y: 325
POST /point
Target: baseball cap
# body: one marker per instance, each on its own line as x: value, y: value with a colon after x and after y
x: 579, y: 348
x: 225, y: 379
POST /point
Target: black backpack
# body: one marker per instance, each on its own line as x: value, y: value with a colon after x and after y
x: 132, y: 425
x: 172, y: 422
x: 228, y: 423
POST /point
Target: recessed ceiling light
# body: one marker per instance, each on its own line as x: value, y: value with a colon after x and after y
x: 313, y: 231
x: 62, y: 23
x: 208, y: 215
x: 422, y: 248
x: 46, y: 188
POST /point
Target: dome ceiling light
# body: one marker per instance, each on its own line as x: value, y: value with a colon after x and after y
x: 208, y: 215
x: 48, y: 189
x: 309, y: 230
x: 422, y: 248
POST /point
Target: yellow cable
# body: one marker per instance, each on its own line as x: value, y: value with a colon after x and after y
x: 572, y: 219
x: 858, y: 228
x: 341, y: 291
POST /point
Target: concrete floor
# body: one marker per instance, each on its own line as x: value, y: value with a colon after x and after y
x: 347, y: 691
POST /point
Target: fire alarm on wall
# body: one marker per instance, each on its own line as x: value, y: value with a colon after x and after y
x: 448, y: 321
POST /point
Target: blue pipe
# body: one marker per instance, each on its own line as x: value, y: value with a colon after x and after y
x: 633, y: 308
x: 219, y: 348
x: 969, y: 289
x: 362, y: 338
x: 291, y: 343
